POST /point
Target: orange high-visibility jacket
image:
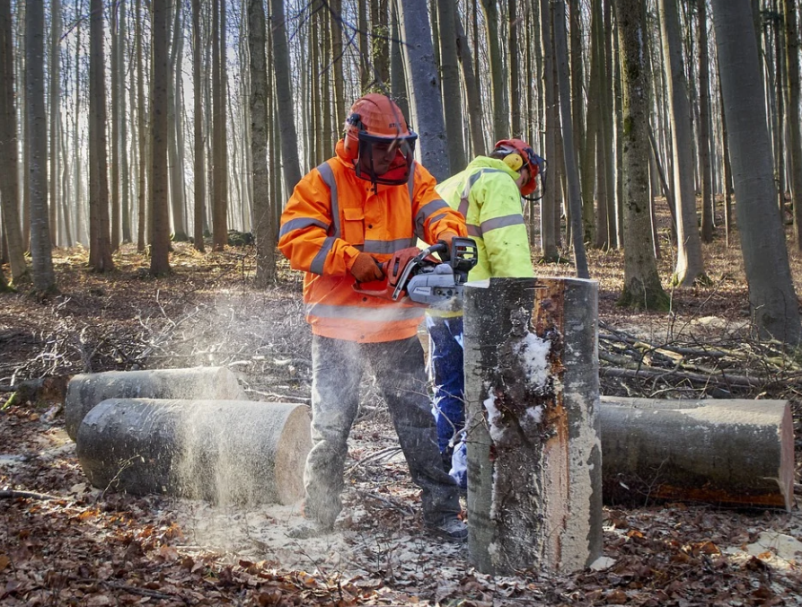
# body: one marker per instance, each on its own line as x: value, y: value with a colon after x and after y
x: 331, y: 217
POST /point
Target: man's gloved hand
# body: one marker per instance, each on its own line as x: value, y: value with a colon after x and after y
x: 365, y: 268
x: 446, y: 238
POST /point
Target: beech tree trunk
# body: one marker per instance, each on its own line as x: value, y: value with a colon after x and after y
x: 773, y: 301
x: 9, y: 148
x: 423, y: 83
x: 534, y: 453
x: 44, y: 279
x: 160, y: 213
x: 225, y: 451
x: 733, y: 452
x: 87, y: 390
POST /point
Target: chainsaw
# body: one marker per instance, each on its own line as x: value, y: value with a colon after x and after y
x: 413, y: 275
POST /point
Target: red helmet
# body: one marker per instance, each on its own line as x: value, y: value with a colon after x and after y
x: 519, y: 154
x: 376, y: 129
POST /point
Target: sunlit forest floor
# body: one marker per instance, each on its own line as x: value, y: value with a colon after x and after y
x: 91, y: 547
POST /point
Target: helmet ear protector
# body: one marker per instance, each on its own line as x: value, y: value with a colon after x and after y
x: 353, y: 126
x: 518, y: 155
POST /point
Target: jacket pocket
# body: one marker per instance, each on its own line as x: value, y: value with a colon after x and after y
x: 354, y: 226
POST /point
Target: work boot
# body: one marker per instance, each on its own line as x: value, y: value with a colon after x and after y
x: 451, y: 529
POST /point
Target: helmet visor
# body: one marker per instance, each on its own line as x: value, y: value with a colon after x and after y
x: 384, y: 160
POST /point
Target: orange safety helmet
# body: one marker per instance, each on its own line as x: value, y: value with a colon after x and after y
x: 376, y: 122
x: 518, y: 155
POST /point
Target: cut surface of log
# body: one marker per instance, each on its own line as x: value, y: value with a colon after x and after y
x: 729, y: 452
x: 221, y: 451
x: 87, y: 390
x: 534, y: 454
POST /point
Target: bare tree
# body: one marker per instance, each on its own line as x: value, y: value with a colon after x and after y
x: 160, y: 215
x: 200, y: 157
x: 775, y: 308
x: 449, y: 67
x: 55, y: 115
x: 704, y: 121
x: 44, y: 279
x: 281, y: 60
x: 9, y: 176
x: 219, y: 145
x: 642, y: 288
x: 792, y: 47
x: 424, y: 84
x: 690, y: 264
x: 264, y: 227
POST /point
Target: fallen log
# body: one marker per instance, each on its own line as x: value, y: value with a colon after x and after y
x: 87, y: 390
x: 728, y: 452
x: 534, y: 454
x: 221, y: 451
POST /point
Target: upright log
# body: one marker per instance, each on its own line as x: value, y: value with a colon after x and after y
x: 730, y: 452
x: 222, y: 451
x: 534, y: 453
x: 87, y: 390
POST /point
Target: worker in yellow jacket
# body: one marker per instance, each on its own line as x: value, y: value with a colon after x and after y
x: 488, y: 193
x: 344, y: 218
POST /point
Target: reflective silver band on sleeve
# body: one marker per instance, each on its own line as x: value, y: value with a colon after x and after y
x: 300, y: 223
x: 501, y: 222
x: 328, y: 178
x: 464, y: 201
x: 320, y: 259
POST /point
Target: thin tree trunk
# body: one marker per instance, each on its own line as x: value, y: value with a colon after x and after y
x: 704, y: 121
x: 9, y: 150
x: 160, y: 215
x: 446, y: 10
x: 125, y: 202
x: 472, y: 91
x: 379, y: 44
x: 548, y: 206
x: 500, y: 123
x: 792, y: 46
x: 142, y: 133
x: 116, y: 140
x: 197, y: 126
x: 174, y: 163
x: 337, y: 61
x: 514, y: 79
x: 55, y: 116
x: 398, y: 80
x: 281, y: 59
x: 365, y: 77
x: 571, y: 170
x: 690, y: 264
x: 99, y: 226
x: 264, y: 228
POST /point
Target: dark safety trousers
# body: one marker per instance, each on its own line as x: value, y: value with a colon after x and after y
x: 401, y: 375
x: 446, y: 359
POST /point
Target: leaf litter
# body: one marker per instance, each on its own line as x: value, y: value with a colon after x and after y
x: 85, y: 546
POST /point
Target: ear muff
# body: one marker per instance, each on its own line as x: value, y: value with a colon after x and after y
x: 514, y: 161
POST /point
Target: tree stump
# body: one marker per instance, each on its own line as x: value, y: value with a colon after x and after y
x: 731, y: 452
x: 534, y: 453
x: 221, y: 451
x: 87, y: 390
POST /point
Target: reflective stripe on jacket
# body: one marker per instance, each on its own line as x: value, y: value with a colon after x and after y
x: 486, y: 195
x: 331, y: 217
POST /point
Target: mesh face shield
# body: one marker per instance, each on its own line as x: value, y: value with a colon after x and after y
x: 383, y: 160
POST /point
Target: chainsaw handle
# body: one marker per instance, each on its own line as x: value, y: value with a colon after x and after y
x: 374, y: 288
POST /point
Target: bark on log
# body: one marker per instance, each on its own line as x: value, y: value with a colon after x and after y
x: 729, y: 452
x: 221, y: 451
x: 87, y: 390
x: 534, y: 453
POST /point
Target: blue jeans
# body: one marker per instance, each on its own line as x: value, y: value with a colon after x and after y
x: 446, y: 356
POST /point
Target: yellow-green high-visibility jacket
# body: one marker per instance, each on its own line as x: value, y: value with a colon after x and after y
x: 486, y: 195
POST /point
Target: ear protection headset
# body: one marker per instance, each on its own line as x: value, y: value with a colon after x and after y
x: 514, y: 161
x: 353, y: 125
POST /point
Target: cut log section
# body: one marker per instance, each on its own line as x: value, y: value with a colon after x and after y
x: 87, y: 390
x: 534, y: 453
x: 221, y: 451
x: 728, y: 452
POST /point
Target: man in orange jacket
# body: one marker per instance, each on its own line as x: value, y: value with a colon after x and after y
x: 344, y: 218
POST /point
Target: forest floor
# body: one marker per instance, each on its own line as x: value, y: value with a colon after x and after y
x: 92, y: 547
